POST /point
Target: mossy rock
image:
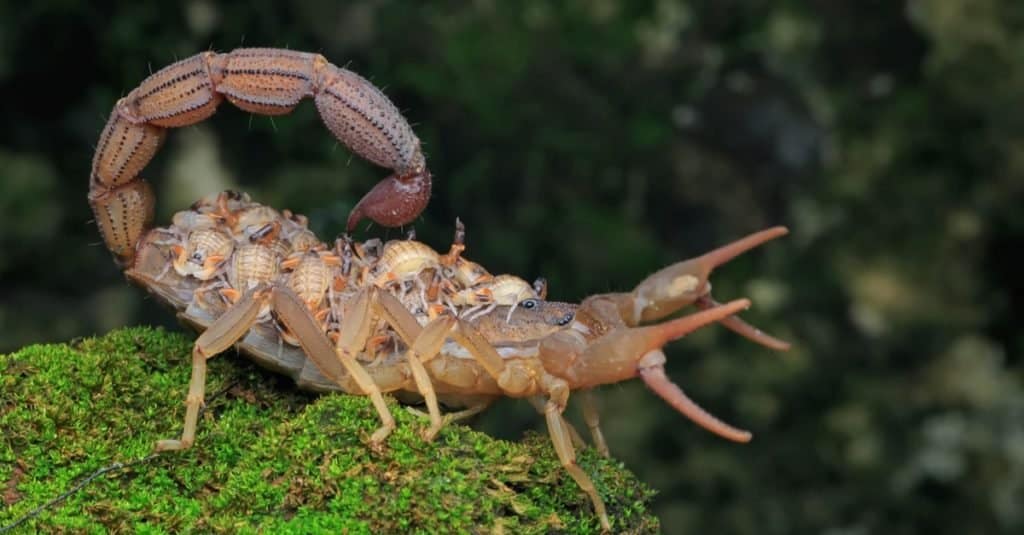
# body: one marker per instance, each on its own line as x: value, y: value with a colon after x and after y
x: 267, y: 457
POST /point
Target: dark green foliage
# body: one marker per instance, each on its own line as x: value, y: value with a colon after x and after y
x: 592, y: 142
x: 266, y: 458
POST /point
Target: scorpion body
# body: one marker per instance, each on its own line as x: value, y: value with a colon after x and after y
x: 371, y: 318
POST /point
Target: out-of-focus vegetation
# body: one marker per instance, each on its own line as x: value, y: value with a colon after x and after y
x: 593, y: 142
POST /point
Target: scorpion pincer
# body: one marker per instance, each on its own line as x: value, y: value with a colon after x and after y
x: 434, y: 325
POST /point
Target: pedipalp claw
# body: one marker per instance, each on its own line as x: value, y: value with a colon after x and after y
x: 652, y: 371
x: 744, y: 329
x: 625, y: 352
x: 663, y: 333
x: 683, y: 283
x: 712, y: 259
x: 614, y: 356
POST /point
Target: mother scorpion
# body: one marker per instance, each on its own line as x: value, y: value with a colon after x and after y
x: 373, y: 318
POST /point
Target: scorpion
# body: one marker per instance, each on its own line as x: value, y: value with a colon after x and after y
x: 373, y: 318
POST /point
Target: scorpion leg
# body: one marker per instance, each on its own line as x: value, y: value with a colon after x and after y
x: 455, y: 416
x: 222, y: 333
x: 297, y: 319
x: 458, y: 245
x: 355, y: 332
x: 424, y: 344
x: 622, y: 352
x: 468, y: 412
x: 538, y: 403
x: 558, y: 397
x: 334, y: 362
x: 517, y: 381
x: 425, y: 347
x: 593, y: 419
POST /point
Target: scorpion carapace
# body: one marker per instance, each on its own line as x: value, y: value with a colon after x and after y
x: 372, y: 318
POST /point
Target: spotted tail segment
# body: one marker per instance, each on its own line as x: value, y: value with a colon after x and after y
x: 264, y: 81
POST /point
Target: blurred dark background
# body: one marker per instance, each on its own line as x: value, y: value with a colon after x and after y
x: 593, y: 142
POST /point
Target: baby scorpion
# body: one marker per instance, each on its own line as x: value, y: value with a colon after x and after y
x: 248, y: 276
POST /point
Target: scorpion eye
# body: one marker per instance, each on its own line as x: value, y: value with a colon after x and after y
x: 529, y: 304
x: 566, y: 319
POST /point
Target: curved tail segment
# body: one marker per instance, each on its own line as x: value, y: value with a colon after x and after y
x: 264, y: 81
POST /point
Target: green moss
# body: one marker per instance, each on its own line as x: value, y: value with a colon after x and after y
x: 267, y: 458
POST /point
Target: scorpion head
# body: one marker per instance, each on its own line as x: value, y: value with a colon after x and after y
x: 529, y: 321
x: 607, y: 343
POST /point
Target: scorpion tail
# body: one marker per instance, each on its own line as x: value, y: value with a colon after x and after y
x: 263, y: 81
x: 394, y: 201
